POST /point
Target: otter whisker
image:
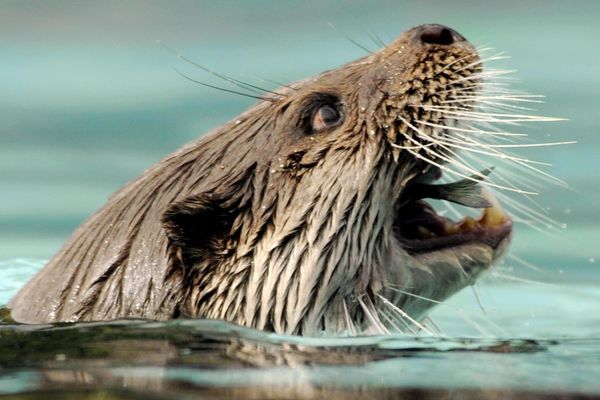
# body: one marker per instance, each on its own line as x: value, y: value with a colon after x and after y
x: 280, y: 84
x: 415, y: 147
x: 376, y: 39
x: 405, y: 315
x: 499, y: 56
x: 447, y: 66
x: 347, y: 37
x: 427, y: 321
x: 390, y: 320
x: 538, y: 218
x: 482, y: 48
x: 473, y: 131
x: 489, y: 96
x: 464, y: 145
x: 496, y: 74
x: 482, y: 105
x: 521, y: 177
x: 510, y: 184
x: 459, y: 116
x: 499, y: 106
x: 524, y: 263
x: 469, y: 177
x: 498, y: 87
x: 507, y: 176
x: 450, y: 160
x: 491, y: 136
x: 349, y: 324
x: 495, y: 115
x: 484, y: 312
x: 461, y: 313
x: 470, y: 130
x: 222, y: 89
x: 475, y: 290
x: 522, y: 280
x: 489, y: 142
x: 535, y: 217
x: 408, y: 327
x: 233, y: 81
x: 371, y: 313
x: 516, y: 160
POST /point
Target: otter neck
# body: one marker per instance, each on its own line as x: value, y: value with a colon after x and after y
x: 305, y: 271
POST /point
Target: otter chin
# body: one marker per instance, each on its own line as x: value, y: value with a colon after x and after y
x: 307, y: 214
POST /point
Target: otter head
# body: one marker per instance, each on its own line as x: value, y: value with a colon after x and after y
x: 315, y: 219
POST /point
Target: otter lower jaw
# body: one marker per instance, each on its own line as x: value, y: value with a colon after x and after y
x: 444, y: 257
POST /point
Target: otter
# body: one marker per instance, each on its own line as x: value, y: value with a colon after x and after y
x: 306, y: 214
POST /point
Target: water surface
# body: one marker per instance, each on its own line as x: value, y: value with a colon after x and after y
x: 89, y: 100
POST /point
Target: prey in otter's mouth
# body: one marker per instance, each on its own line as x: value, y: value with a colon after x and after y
x: 420, y: 229
x: 308, y: 213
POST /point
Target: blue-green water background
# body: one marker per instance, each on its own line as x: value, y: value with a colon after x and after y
x: 88, y: 100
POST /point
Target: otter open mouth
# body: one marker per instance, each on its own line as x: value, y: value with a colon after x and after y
x: 421, y: 229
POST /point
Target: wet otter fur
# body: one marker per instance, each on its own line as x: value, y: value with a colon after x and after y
x: 291, y: 217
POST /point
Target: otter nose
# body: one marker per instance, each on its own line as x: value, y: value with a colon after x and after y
x: 438, y: 34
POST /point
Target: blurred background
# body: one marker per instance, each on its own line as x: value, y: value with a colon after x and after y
x: 89, y: 99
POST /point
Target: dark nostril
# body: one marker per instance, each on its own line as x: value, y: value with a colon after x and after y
x: 439, y: 34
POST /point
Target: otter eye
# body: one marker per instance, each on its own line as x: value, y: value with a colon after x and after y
x: 326, y: 116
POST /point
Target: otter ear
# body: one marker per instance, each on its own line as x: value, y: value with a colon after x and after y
x: 198, y: 224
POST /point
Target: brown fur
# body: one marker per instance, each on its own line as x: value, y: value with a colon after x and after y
x: 263, y: 222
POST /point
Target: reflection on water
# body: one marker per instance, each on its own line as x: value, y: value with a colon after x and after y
x: 215, y: 359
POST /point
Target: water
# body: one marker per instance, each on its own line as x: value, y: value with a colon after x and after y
x: 191, y: 357
x: 89, y: 100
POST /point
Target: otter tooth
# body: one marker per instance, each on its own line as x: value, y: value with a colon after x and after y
x: 425, y: 233
x: 467, y: 224
x: 493, y: 215
x: 450, y: 227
